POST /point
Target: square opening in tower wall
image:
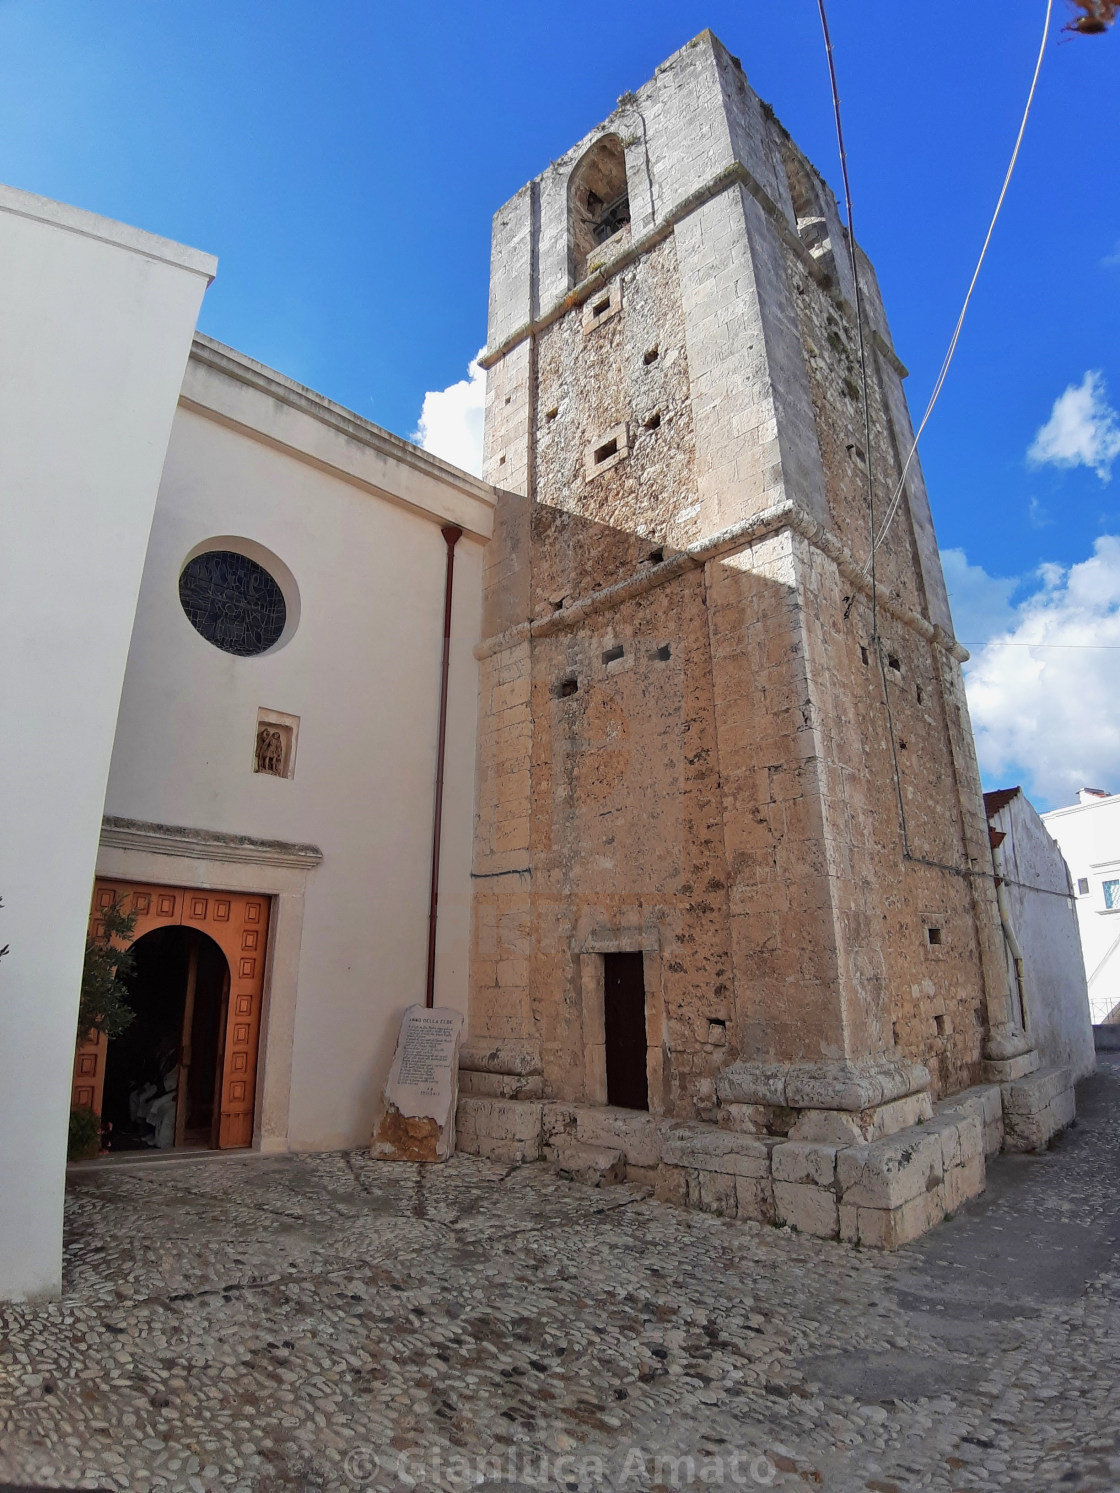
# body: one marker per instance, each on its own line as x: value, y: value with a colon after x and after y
x: 606, y: 451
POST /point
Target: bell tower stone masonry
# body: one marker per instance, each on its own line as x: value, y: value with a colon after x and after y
x: 733, y: 891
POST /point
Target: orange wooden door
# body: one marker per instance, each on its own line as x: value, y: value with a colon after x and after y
x: 155, y: 907
x: 238, y: 923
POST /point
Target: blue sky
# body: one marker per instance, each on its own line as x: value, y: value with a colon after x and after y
x: 343, y: 160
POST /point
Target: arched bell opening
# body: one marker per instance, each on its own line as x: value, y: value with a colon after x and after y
x: 598, y: 202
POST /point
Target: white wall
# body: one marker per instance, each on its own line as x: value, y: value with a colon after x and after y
x: 1037, y: 889
x: 1089, y: 836
x: 355, y: 516
x: 95, y: 325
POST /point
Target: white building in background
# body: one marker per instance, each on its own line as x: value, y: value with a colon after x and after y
x: 1046, y: 981
x: 1088, y: 833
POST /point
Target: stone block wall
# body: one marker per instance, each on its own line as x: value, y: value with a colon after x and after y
x: 882, y: 1192
x: 697, y: 740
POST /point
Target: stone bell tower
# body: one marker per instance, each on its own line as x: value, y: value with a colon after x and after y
x: 731, y: 857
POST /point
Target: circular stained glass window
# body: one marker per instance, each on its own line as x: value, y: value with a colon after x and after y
x: 233, y: 602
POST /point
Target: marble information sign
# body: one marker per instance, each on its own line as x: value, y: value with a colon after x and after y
x: 422, y: 1089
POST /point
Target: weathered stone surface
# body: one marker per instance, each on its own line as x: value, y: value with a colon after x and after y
x: 985, y: 1102
x: 887, y: 1228
x: 558, y: 1120
x: 714, y: 1192
x: 707, y: 1148
x: 500, y: 1055
x: 597, y: 1166
x: 636, y: 1135
x: 1005, y: 1042
x: 753, y: 1084
x: 418, y: 1123
x: 853, y: 1086
x: 806, y: 1163
x: 809, y: 1209
x: 755, y: 1119
x: 755, y: 1197
x: 885, y: 1174
x: 836, y: 1127
x: 1035, y: 1108
x: 672, y: 1185
x: 849, y: 1223
x: 1006, y: 1070
x: 964, y: 1182
x: 845, y: 1127
x: 506, y: 1130
x: 847, y: 1087
x: 962, y: 1138
x: 484, y: 1085
x: 1034, y: 1092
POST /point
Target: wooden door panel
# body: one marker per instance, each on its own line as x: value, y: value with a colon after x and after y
x: 624, y: 1023
x: 155, y: 907
x: 238, y: 924
x: 247, y: 928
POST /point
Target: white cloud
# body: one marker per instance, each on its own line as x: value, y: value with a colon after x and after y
x: 1049, y: 717
x: 981, y: 603
x: 1082, y: 431
x: 1112, y: 261
x: 451, y: 420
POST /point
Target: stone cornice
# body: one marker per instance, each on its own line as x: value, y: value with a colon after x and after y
x: 296, y: 419
x: 735, y: 175
x: 851, y: 1086
x: 729, y: 541
x: 205, y: 844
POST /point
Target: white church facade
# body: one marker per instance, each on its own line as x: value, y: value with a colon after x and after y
x: 223, y: 602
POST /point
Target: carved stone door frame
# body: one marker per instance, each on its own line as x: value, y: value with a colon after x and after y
x: 207, y: 861
x: 637, y: 932
x: 238, y: 923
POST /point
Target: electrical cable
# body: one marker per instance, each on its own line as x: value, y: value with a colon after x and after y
x: 858, y: 310
x: 969, y: 873
x: 1003, y: 643
x: 893, y: 506
x: 874, y: 638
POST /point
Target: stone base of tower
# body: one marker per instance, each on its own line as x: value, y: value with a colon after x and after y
x: 838, y: 1103
x: 1038, y: 1102
x: 872, y: 1161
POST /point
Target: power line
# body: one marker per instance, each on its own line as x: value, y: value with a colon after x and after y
x: 893, y: 506
x: 1000, y: 643
x: 858, y: 310
x: 874, y: 639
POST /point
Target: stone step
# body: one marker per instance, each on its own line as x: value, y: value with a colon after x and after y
x: 1036, y: 1107
x: 597, y: 1166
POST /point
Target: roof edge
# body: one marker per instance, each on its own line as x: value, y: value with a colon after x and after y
x: 246, y: 370
x: 108, y: 230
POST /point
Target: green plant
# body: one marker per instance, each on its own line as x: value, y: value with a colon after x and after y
x: 84, y: 1140
x: 103, y: 1006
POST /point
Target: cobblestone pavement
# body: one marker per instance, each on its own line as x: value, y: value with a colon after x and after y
x: 329, y: 1322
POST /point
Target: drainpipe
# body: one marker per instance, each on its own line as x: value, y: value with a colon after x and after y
x: 451, y: 535
x: 1008, y: 930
